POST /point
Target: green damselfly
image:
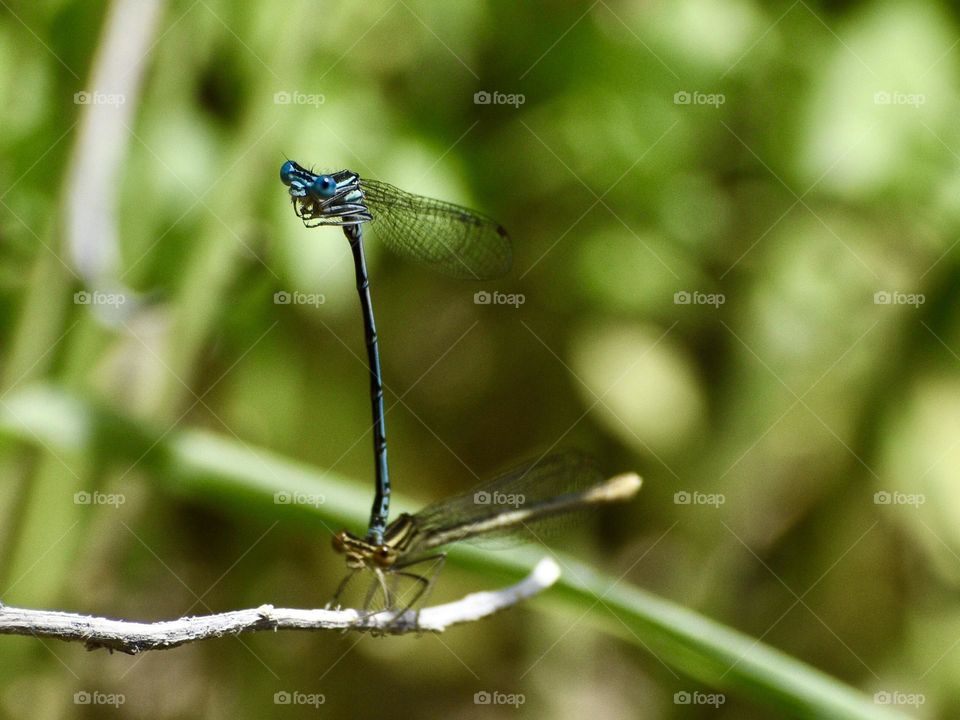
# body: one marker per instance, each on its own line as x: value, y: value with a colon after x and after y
x: 515, y: 506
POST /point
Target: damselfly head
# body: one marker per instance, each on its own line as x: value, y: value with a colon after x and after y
x: 360, y: 553
x: 302, y: 181
x: 288, y: 172
x: 325, y: 199
x: 322, y: 187
x: 340, y: 541
x: 294, y: 176
x: 384, y: 556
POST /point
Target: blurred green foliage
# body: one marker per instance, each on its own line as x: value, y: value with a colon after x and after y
x: 793, y: 162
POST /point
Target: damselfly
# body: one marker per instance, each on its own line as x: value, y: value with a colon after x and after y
x: 455, y: 240
x: 517, y: 505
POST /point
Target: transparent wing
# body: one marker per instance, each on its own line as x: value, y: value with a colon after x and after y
x: 536, y: 498
x: 454, y: 239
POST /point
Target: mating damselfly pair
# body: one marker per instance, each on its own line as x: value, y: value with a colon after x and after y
x: 466, y: 244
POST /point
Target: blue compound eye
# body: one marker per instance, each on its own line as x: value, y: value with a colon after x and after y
x: 287, y: 172
x: 323, y: 187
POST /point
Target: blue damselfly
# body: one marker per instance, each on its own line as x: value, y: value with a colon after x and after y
x: 453, y: 239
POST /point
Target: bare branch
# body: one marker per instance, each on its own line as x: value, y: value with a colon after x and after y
x: 136, y: 637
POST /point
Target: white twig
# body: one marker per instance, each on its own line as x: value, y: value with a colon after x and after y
x: 136, y: 637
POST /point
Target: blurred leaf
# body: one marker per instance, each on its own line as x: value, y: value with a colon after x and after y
x: 620, y: 364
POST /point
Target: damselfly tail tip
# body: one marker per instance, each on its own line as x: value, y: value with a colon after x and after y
x: 617, y: 488
x: 546, y: 573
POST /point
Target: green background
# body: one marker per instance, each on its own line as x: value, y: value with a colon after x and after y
x: 812, y: 175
